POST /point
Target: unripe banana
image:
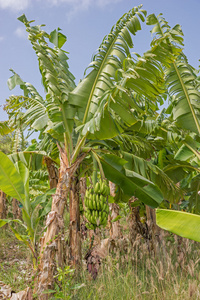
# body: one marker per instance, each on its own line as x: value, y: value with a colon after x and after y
x: 91, y: 226
x: 97, y: 204
x: 99, y: 219
x: 101, y: 187
x: 100, y: 205
x: 90, y: 204
x: 101, y: 197
x: 104, y: 222
x: 94, y: 204
x: 97, y: 197
x: 104, y: 207
x: 94, y: 220
x: 108, y: 191
x: 103, y: 214
x: 93, y: 213
x: 104, y: 189
x: 97, y: 187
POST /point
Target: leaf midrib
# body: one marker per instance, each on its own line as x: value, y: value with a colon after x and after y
x: 99, y: 72
x: 187, y: 97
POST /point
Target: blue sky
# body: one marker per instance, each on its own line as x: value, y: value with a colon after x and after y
x: 85, y: 23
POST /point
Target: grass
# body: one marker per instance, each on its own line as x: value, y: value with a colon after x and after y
x: 140, y: 282
x: 141, y: 276
x: 15, y: 261
x: 129, y: 273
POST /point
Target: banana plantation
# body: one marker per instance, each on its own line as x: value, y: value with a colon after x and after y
x: 105, y: 202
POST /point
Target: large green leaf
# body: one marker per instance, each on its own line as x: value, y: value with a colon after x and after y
x: 118, y: 88
x: 182, y: 223
x: 57, y: 80
x: 181, y: 77
x: 24, y: 173
x: 181, y: 82
x: 155, y: 174
x: 31, y: 159
x: 11, y: 182
x: 188, y: 149
x: 130, y: 182
x: 108, y: 59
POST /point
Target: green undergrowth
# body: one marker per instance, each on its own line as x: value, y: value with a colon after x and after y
x: 132, y: 274
x: 147, y: 279
x: 174, y: 273
x: 15, y: 261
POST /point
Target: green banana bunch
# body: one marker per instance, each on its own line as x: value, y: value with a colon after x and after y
x: 96, y: 204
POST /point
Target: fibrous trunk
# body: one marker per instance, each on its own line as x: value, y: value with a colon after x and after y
x: 115, y: 231
x: 16, y: 209
x: 2, y: 205
x: 136, y: 227
x: 52, y: 171
x: 154, y: 230
x: 74, y: 229
x: 82, y: 189
x: 52, y: 252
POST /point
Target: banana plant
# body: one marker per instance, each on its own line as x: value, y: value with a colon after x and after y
x: 102, y: 106
x: 14, y: 181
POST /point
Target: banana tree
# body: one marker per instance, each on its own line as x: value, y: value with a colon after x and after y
x: 14, y: 181
x: 101, y: 107
x: 183, y: 91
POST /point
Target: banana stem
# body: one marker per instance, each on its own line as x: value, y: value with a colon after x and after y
x: 99, y: 163
x: 94, y: 175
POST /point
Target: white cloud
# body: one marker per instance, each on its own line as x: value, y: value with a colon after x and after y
x: 81, y: 5
x: 21, y: 32
x: 74, y: 6
x: 14, y: 5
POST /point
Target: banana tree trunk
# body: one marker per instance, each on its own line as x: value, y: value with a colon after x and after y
x: 16, y: 209
x: 153, y: 229
x: 133, y: 222
x: 52, y: 171
x: 52, y: 253
x: 82, y: 189
x: 136, y: 227
x: 2, y: 205
x: 115, y: 231
x: 74, y: 229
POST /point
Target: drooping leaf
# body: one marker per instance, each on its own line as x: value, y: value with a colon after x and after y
x: 131, y: 182
x: 7, y: 221
x: 31, y: 159
x: 155, y: 174
x: 108, y: 59
x: 181, y: 82
x: 182, y: 223
x: 11, y: 182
